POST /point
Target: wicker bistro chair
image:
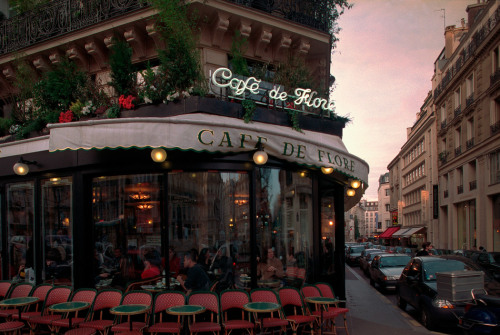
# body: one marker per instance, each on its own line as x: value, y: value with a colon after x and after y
x: 133, y: 298
x: 327, y: 291
x: 5, y: 286
x: 40, y: 292
x: 319, y: 311
x: 210, y: 301
x: 55, y: 295
x: 81, y: 331
x: 18, y: 291
x: 273, y: 320
x: 161, y: 322
x: 85, y: 295
x: 99, y: 318
x: 11, y: 327
x: 231, y: 302
x: 295, y: 310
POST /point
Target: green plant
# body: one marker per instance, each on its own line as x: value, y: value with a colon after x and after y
x: 122, y: 71
x: 5, y: 124
x: 249, y: 107
x: 293, y: 116
x: 21, y: 6
x: 238, y: 62
x: 32, y: 126
x: 23, y: 106
x: 76, y: 107
x: 153, y: 89
x: 294, y: 73
x: 180, y: 60
x: 113, y: 111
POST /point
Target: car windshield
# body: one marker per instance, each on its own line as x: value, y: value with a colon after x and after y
x: 394, y: 261
x: 357, y: 249
x: 430, y: 268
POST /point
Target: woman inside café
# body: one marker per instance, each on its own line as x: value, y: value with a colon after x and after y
x: 270, y: 267
x: 151, y: 266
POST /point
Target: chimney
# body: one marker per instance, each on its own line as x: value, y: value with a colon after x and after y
x: 449, y: 35
x: 474, y: 10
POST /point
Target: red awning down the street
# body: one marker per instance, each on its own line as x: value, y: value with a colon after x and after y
x: 388, y: 233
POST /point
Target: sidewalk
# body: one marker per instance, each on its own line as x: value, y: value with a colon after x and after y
x: 372, y: 313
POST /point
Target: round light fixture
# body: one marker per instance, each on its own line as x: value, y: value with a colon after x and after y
x: 260, y: 157
x: 355, y: 183
x: 326, y: 170
x: 351, y: 192
x: 21, y: 169
x: 158, y: 155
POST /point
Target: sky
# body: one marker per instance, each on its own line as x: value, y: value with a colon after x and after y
x: 383, y: 66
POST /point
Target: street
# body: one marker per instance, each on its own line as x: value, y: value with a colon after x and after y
x: 374, y: 312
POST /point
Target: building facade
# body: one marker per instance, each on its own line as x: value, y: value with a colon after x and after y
x: 237, y: 170
x: 384, y: 204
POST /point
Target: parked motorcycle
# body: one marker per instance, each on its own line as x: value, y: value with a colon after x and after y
x: 482, y: 314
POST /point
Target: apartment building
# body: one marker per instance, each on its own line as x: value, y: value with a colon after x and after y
x: 384, y: 204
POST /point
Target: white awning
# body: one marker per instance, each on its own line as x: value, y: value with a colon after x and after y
x: 411, y: 231
x: 400, y: 232
x: 209, y: 133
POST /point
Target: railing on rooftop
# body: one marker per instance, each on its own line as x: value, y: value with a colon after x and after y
x: 59, y: 17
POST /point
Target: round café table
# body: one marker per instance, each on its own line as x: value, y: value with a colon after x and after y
x: 69, y: 307
x: 321, y: 301
x: 129, y: 310
x: 261, y: 307
x: 185, y: 310
x: 19, y: 302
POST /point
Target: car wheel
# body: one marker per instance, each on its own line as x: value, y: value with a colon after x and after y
x: 426, y: 318
x: 401, y: 303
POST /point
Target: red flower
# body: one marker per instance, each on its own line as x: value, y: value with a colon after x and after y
x: 66, y: 116
x: 127, y: 102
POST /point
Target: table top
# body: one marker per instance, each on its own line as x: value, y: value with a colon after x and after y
x: 186, y: 310
x: 69, y: 306
x: 322, y: 300
x: 129, y: 309
x: 269, y: 282
x: 261, y: 307
x: 22, y: 301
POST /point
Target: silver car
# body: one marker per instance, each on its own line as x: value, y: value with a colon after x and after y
x: 386, y: 269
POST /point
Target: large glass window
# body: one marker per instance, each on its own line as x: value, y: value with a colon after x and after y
x: 209, y: 212
x: 327, y: 234
x: 127, y: 226
x: 57, y: 230
x: 20, y: 221
x: 284, y: 229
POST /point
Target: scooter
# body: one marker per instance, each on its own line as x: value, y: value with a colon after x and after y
x: 482, y: 314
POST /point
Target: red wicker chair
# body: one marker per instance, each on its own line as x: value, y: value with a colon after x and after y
x: 18, y: 291
x: 5, y: 286
x: 99, y: 318
x: 327, y: 291
x: 272, y: 321
x: 319, y: 311
x: 44, y: 316
x: 81, y: 331
x: 232, y: 301
x: 133, y: 298
x: 13, y: 327
x: 210, y: 301
x: 85, y: 295
x: 294, y: 309
x: 163, y: 301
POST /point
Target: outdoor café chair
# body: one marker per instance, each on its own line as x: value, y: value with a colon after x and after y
x: 309, y: 291
x: 39, y: 292
x: 272, y: 321
x: 133, y: 298
x: 210, y: 301
x: 162, y: 302
x: 327, y: 291
x: 231, y: 304
x: 18, y: 291
x: 294, y: 308
x: 5, y: 286
x: 99, y: 318
x: 84, y: 295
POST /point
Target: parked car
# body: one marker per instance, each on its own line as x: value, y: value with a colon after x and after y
x: 366, y: 259
x: 353, y: 254
x: 489, y: 261
x: 417, y: 287
x: 385, y: 269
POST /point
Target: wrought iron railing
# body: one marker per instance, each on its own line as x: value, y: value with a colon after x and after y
x: 60, y: 17
x: 470, y: 143
x: 495, y: 77
x: 495, y: 128
x: 443, y: 124
x: 470, y: 100
x: 458, y: 150
x: 460, y: 189
x: 458, y: 111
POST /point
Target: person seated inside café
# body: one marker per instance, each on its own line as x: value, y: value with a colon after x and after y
x: 271, y: 267
x: 151, y: 266
x: 196, y: 279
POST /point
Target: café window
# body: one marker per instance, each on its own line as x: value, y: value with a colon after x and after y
x: 127, y: 227
x: 20, y: 221
x: 57, y: 194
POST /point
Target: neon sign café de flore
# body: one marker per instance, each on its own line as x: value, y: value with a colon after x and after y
x: 194, y: 173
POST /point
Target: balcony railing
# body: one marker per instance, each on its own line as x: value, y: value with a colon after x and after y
x: 443, y: 156
x: 495, y: 77
x: 443, y: 124
x: 495, y: 128
x: 470, y: 143
x: 460, y: 189
x: 458, y: 150
x: 472, y: 185
x: 457, y: 111
x: 59, y: 17
x: 446, y: 194
x: 470, y: 100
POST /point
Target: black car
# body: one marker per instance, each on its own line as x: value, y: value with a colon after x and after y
x: 417, y: 287
x: 489, y: 261
x: 353, y: 254
x: 385, y: 269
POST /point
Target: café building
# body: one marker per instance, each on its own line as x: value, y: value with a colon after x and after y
x: 85, y: 202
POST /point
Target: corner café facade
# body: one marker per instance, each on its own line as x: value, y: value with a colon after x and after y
x: 92, y: 187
